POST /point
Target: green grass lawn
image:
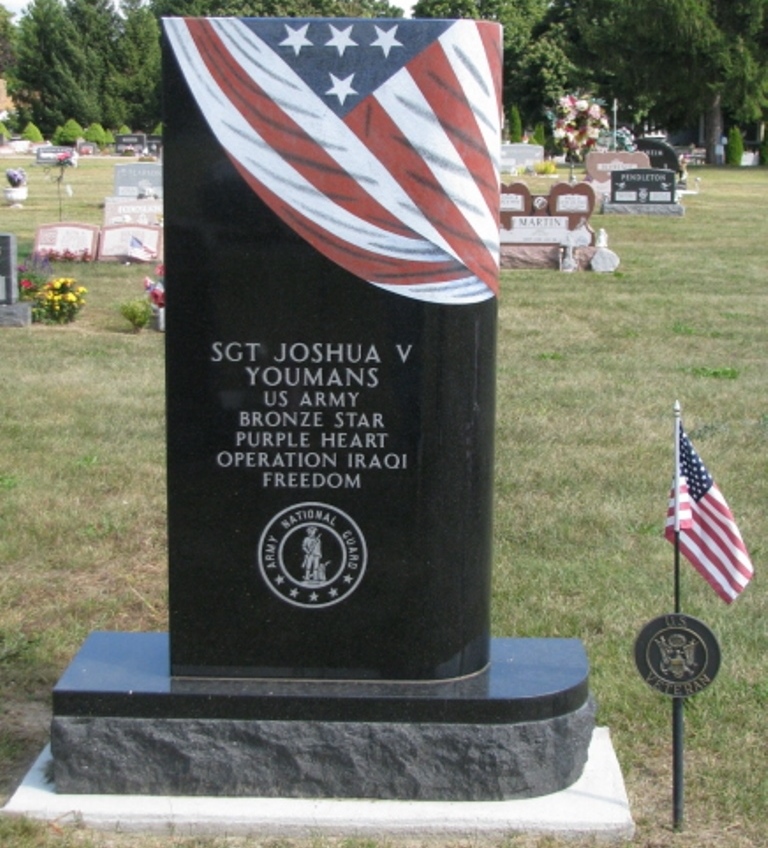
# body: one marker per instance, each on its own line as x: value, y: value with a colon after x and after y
x: 589, y: 367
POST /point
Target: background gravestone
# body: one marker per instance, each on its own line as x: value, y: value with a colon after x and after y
x: 12, y: 312
x: 142, y: 179
x: 661, y: 154
x: 643, y: 191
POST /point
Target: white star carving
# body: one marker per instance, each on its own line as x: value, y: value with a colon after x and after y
x: 296, y: 38
x: 341, y: 88
x: 341, y: 39
x: 386, y: 39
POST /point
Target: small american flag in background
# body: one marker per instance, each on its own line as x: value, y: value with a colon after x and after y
x: 138, y: 250
x: 376, y: 140
x: 709, y: 537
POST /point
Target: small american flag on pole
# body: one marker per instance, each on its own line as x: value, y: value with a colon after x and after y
x: 375, y: 140
x: 708, y: 535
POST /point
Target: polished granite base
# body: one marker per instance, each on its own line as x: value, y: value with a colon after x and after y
x: 122, y: 725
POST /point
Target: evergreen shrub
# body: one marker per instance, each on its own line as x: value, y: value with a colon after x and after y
x: 735, y: 148
x: 515, y: 125
x: 31, y: 133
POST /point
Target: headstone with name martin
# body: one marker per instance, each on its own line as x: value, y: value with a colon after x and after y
x: 331, y: 245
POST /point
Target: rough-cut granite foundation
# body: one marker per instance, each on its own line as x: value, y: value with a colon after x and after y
x: 519, y: 729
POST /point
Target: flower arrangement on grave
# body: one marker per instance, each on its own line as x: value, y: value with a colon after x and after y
x: 33, y: 275
x: 17, y: 177
x: 64, y: 160
x: 58, y: 301
x: 155, y: 289
x: 577, y: 123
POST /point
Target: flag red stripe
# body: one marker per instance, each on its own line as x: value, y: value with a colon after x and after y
x: 282, y: 133
x: 440, y: 86
x: 490, y: 35
x: 371, y: 123
x: 692, y: 555
x: 728, y: 548
x: 369, y: 266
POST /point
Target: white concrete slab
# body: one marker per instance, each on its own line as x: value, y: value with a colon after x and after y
x: 595, y: 805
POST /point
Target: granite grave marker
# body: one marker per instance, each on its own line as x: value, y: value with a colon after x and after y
x: 661, y: 154
x: 643, y: 185
x: 13, y: 312
x: 142, y: 179
x: 331, y: 331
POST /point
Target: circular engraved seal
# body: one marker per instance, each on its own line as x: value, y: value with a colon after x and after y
x: 312, y: 555
x: 677, y: 655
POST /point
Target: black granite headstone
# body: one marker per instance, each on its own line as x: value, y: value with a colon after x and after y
x: 331, y: 275
x: 9, y: 287
x: 661, y: 154
x: 643, y: 186
x: 332, y: 253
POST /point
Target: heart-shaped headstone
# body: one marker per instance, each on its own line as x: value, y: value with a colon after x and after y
x: 574, y: 202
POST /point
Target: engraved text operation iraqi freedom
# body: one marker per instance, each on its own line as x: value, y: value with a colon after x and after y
x: 311, y: 429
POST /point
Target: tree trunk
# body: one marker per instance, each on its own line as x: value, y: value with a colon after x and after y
x: 714, y: 125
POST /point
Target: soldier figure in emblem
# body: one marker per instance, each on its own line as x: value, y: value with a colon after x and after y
x: 314, y: 568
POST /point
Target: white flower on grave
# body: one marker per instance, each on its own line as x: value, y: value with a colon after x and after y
x: 581, y: 105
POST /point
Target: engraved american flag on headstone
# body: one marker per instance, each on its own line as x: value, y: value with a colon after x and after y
x: 376, y: 140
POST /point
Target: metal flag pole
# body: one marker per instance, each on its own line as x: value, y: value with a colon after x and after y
x: 676, y: 490
x: 678, y: 771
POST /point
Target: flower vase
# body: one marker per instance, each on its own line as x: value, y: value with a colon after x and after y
x: 15, y: 194
x: 159, y: 319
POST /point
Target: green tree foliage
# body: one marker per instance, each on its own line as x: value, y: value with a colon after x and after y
x: 674, y: 59
x: 69, y: 133
x: 7, y: 41
x: 735, y: 149
x: 137, y: 72
x: 50, y: 73
x: 279, y: 8
x: 95, y: 134
x: 515, y: 125
x: 519, y: 18
x: 31, y: 133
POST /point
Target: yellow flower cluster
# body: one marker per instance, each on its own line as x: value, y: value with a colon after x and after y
x: 59, y: 301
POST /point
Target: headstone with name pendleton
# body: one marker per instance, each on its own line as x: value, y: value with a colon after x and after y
x: 331, y: 281
x: 13, y: 313
x: 650, y: 191
x: 141, y: 179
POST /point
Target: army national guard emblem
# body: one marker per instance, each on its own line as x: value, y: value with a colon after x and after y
x: 312, y: 555
x: 677, y: 655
